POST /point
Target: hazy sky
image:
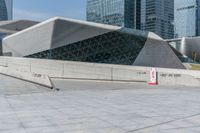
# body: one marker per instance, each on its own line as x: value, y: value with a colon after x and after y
x: 44, y: 9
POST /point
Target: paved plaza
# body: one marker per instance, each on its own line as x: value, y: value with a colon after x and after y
x: 97, y: 107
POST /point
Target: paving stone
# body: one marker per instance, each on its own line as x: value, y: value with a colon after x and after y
x: 97, y: 107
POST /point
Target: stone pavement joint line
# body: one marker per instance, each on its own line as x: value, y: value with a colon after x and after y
x: 167, y: 122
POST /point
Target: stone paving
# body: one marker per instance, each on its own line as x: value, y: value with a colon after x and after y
x: 97, y: 107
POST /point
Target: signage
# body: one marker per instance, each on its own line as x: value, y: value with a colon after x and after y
x: 153, y: 77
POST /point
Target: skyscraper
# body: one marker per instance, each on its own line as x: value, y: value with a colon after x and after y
x: 187, y: 18
x: 125, y: 13
x: 158, y: 16
x: 6, y: 9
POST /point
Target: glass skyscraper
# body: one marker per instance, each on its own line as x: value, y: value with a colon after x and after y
x: 125, y: 13
x: 158, y: 16
x: 6, y: 9
x: 187, y: 18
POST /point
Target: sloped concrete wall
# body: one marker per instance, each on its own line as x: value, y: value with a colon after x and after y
x: 32, y: 40
x: 67, y: 31
x: 17, y: 25
x: 157, y: 53
x: 27, y: 76
x: 50, y: 34
x: 92, y: 71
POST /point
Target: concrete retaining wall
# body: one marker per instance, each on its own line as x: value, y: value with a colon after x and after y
x: 81, y: 70
x: 27, y: 76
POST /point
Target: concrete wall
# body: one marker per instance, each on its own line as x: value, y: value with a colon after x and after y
x: 68, y: 31
x: 157, y: 53
x: 27, y: 76
x: 32, y: 40
x: 92, y: 71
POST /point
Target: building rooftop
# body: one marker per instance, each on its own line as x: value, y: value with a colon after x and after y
x: 13, y: 26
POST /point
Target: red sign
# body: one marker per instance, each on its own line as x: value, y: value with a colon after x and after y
x: 153, y: 77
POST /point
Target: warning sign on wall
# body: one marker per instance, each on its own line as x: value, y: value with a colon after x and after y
x: 153, y: 77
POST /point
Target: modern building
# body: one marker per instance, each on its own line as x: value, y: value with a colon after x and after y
x: 188, y: 46
x: 75, y: 40
x: 124, y: 13
x: 6, y: 9
x: 10, y: 27
x: 157, y: 16
x: 187, y: 18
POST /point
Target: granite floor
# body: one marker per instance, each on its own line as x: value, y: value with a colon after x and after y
x: 97, y: 107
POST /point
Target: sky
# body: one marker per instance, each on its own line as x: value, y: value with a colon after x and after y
x: 40, y: 10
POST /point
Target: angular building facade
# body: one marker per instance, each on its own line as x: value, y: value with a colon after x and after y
x: 157, y: 16
x: 187, y: 18
x: 124, y: 13
x: 11, y: 27
x: 6, y: 9
x: 74, y: 40
x: 189, y: 47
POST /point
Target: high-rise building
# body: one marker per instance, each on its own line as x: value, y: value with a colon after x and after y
x: 6, y: 9
x: 125, y: 13
x: 157, y: 16
x: 187, y: 18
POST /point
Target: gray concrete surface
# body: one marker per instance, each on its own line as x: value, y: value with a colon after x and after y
x: 95, y: 71
x: 157, y: 53
x: 16, y: 25
x: 97, y: 107
x: 27, y: 76
x: 13, y: 86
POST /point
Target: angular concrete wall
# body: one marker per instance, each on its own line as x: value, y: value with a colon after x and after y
x: 36, y: 38
x: 157, y: 53
x: 68, y: 31
x: 92, y: 71
x: 17, y: 25
x: 50, y: 34
x: 27, y: 76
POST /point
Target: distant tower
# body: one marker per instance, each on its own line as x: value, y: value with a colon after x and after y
x: 6, y: 9
x: 124, y: 13
x: 187, y: 18
x: 158, y: 16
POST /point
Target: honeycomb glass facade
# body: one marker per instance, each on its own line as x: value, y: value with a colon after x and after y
x: 157, y: 16
x: 117, y: 47
x: 5, y: 9
x: 187, y: 18
x: 125, y: 13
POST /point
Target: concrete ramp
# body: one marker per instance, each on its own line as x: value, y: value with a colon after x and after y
x: 27, y: 76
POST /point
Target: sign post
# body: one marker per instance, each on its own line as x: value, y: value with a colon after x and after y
x: 153, y: 77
